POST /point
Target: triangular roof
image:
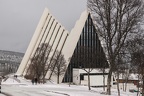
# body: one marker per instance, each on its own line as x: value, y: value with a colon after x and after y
x: 85, y: 47
x: 66, y: 42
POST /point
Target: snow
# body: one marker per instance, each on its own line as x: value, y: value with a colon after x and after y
x: 24, y: 88
x: 133, y: 77
x: 130, y: 77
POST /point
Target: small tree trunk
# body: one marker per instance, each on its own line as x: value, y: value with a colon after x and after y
x: 69, y: 81
x: 118, y: 83
x: 126, y: 84
x: 43, y: 75
x: 89, y: 81
x: 126, y: 80
x: 69, y: 84
x: 143, y: 86
x: 123, y: 79
x: 103, y: 79
x: 43, y: 78
x: 109, y: 82
x: 138, y: 86
x: 58, y: 78
x: 103, y: 82
x: 52, y: 71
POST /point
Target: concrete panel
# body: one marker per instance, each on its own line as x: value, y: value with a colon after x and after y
x: 53, y: 31
x: 59, y: 31
x: 48, y: 29
x: 43, y: 36
x: 51, y: 28
x: 76, y: 76
x: 39, y: 41
x: 53, y: 42
x: 61, y: 43
x: 71, y: 41
x: 32, y: 43
x: 56, y: 43
x: 96, y: 80
x: 54, y: 77
x: 74, y: 36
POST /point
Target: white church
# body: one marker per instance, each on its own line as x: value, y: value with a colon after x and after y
x: 83, y: 34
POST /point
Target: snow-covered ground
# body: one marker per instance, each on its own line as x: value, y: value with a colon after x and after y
x: 12, y: 87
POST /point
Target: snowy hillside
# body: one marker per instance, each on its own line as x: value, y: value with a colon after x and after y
x: 10, y: 56
x: 9, y: 61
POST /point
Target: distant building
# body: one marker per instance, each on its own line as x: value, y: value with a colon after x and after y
x: 84, y: 34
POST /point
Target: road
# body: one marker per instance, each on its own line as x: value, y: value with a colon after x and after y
x: 16, y: 90
x: 54, y: 90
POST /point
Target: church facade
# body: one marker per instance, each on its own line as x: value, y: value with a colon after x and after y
x: 80, y: 47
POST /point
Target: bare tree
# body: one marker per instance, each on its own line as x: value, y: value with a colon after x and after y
x: 122, y: 65
x: 58, y: 66
x: 115, y: 20
x: 138, y: 59
x: 39, y: 62
x: 136, y: 49
x: 117, y: 72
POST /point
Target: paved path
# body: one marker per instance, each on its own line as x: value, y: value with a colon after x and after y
x: 54, y: 90
x: 15, y: 90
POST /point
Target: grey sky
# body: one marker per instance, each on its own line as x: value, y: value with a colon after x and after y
x: 19, y: 18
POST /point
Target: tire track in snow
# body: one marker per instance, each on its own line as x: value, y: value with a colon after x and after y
x: 59, y: 93
x: 6, y: 94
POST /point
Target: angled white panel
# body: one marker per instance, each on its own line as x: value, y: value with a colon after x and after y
x: 64, y: 35
x: 73, y: 38
x: 52, y: 41
x: 74, y: 35
x: 51, y: 29
x: 57, y: 38
x: 39, y: 41
x: 32, y: 43
x: 43, y: 36
x: 56, y: 43
x: 48, y: 29
x: 60, y: 47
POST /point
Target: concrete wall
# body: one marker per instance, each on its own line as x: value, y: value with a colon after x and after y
x: 96, y: 80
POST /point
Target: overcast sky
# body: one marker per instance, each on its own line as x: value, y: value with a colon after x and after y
x: 19, y: 19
